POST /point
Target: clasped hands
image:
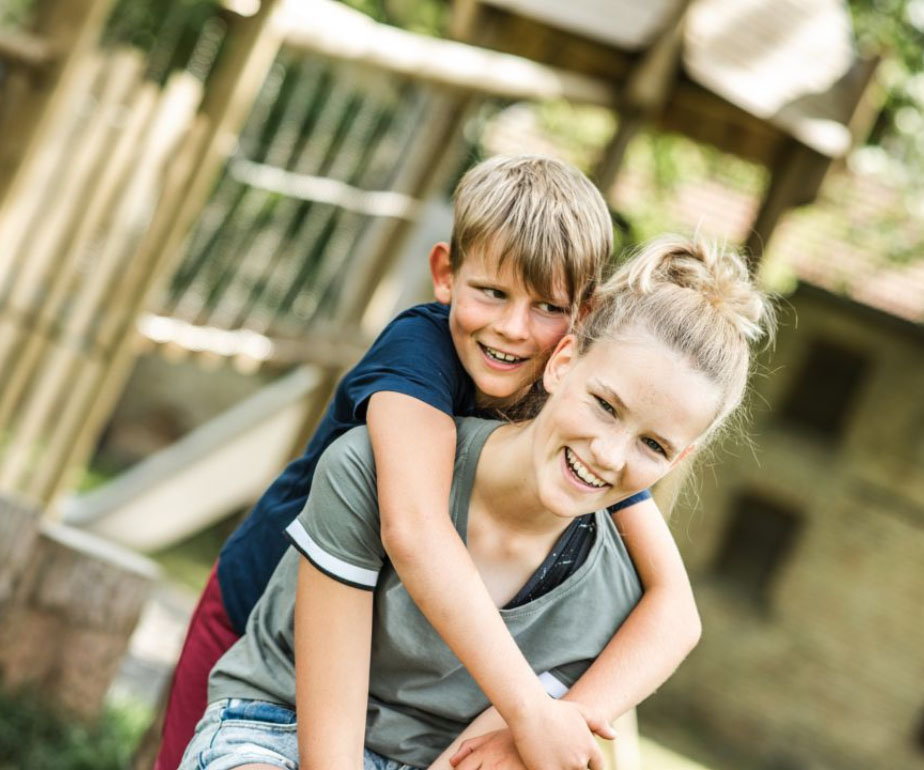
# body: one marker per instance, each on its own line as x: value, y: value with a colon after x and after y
x: 555, y: 735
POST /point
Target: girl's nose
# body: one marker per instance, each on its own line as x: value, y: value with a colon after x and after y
x: 610, y: 451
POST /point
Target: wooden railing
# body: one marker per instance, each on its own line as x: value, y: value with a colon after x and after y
x: 299, y: 231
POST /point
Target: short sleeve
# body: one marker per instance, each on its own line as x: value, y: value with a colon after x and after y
x: 630, y: 501
x: 415, y: 356
x: 338, y: 530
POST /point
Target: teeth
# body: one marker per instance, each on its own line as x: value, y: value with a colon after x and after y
x: 501, y: 356
x: 582, y: 471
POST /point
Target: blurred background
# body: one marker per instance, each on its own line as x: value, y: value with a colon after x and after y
x: 209, y: 208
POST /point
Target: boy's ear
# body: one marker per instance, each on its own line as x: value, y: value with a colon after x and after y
x: 585, y: 307
x: 559, y: 363
x: 679, y: 458
x: 441, y: 272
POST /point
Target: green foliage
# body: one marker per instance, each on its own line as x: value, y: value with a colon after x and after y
x: 894, y: 29
x: 35, y: 736
x: 427, y: 17
x: 14, y: 13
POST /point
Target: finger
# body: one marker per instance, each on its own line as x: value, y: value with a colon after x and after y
x: 467, y: 747
x: 471, y: 762
x: 604, y: 729
x: 596, y: 725
x: 596, y: 759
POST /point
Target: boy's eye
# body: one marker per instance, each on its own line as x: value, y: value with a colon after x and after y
x: 654, y: 446
x: 548, y: 307
x: 493, y: 293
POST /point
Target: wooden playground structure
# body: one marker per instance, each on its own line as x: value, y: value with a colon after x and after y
x: 117, y: 192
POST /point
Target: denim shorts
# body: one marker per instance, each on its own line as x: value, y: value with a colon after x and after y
x: 235, y: 732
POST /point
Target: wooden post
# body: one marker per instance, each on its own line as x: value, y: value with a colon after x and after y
x: 71, y: 28
x: 53, y: 260
x: 646, y: 91
x: 251, y: 46
x: 796, y: 177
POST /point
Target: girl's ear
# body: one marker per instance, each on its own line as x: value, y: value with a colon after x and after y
x: 441, y: 272
x: 559, y: 363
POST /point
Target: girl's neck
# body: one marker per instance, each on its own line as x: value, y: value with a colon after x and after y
x: 510, y: 532
x: 505, y: 489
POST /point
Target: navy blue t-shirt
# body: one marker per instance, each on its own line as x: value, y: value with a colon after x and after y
x: 413, y: 355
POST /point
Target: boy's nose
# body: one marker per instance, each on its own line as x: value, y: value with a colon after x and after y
x: 514, y: 323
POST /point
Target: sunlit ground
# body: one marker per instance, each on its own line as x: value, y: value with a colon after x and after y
x: 657, y: 757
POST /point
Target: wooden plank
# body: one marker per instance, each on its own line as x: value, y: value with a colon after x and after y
x: 250, y: 49
x: 74, y: 26
x: 98, y: 304
x: 336, y: 31
x: 51, y: 259
x: 796, y: 178
x: 21, y: 212
x: 101, y: 202
x: 22, y: 48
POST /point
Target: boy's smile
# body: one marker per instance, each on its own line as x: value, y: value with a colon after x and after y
x: 502, y: 330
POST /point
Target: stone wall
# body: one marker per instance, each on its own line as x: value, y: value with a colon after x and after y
x: 68, y: 605
x: 821, y: 665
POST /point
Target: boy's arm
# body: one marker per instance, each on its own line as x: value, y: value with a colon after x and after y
x: 658, y: 634
x: 414, y: 446
x: 333, y: 633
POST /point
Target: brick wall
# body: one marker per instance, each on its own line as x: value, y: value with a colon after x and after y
x: 824, y: 669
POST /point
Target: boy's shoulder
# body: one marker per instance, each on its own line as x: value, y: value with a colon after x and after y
x: 428, y: 314
x: 414, y: 355
x: 422, y: 326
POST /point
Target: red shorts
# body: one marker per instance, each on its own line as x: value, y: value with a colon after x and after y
x: 209, y: 636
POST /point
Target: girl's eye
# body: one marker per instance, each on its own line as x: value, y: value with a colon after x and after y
x: 654, y: 446
x: 605, y: 405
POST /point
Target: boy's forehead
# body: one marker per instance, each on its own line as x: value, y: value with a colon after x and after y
x: 493, y: 262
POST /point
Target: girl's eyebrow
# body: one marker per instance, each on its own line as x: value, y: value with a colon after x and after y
x: 613, y: 396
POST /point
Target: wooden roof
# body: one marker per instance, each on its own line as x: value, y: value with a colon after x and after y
x: 790, y: 63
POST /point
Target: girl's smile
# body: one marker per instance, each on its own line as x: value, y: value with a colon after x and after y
x: 618, y: 418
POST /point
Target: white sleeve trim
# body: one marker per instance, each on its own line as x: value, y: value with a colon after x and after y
x: 553, y: 685
x: 328, y: 562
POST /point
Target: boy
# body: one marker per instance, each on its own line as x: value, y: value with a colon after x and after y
x: 531, y: 237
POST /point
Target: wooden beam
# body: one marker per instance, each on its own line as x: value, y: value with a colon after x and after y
x: 333, y: 30
x: 74, y: 26
x: 796, y: 178
x: 646, y: 91
x: 23, y: 48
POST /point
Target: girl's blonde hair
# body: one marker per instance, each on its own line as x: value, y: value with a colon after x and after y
x: 698, y: 299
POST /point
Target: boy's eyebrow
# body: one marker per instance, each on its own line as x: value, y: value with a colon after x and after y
x: 613, y: 396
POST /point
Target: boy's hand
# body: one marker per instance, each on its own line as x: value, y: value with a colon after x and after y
x: 559, y: 735
x: 491, y: 751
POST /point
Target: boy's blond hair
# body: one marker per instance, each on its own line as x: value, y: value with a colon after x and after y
x: 543, y: 214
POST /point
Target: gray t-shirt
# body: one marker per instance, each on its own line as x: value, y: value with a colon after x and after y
x: 420, y: 696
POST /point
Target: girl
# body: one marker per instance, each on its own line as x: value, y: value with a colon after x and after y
x: 654, y: 370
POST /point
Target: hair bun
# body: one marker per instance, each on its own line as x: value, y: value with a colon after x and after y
x: 718, y: 274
